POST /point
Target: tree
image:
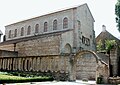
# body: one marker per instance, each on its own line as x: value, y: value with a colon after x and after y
x: 109, y: 44
x: 117, y: 12
x: 100, y: 46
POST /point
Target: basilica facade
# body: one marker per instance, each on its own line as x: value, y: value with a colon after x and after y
x: 45, y: 42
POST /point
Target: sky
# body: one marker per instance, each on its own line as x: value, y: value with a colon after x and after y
x: 103, y: 11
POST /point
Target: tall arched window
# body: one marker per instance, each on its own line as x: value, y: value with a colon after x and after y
x: 36, y: 28
x: 65, y: 23
x: 29, y: 30
x: 55, y: 25
x: 15, y: 34
x: 9, y: 36
x: 45, y: 27
x: 22, y: 31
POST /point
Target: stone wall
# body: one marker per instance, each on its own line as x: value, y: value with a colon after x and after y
x: 8, y: 47
x: 39, y: 63
x: 56, y: 66
x: 114, y: 57
x: 4, y: 53
x: 42, y: 46
x: 86, y: 67
x: 102, y: 71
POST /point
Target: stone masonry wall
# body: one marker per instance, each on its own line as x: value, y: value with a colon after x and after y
x: 42, y: 46
x: 114, y: 60
x: 45, y: 45
x: 53, y: 64
x: 4, y: 53
x: 9, y: 47
x: 86, y: 67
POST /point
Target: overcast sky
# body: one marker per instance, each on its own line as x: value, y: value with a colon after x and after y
x: 17, y: 10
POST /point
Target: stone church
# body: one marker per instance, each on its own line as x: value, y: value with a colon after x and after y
x: 45, y: 43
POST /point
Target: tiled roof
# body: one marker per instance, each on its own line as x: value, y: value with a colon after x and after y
x: 106, y: 36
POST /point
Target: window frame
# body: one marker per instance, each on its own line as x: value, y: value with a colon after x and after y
x: 22, y: 31
x: 15, y: 34
x: 29, y: 30
x: 37, y: 28
x: 55, y: 24
x: 9, y: 34
x: 65, y: 23
x: 45, y: 26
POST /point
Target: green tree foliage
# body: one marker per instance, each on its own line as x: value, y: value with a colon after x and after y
x: 109, y: 44
x: 100, y: 46
x: 117, y: 12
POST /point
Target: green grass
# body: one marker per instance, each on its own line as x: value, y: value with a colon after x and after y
x: 7, y: 78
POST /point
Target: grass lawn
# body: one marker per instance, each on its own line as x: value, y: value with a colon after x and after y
x: 4, y: 76
x: 7, y: 78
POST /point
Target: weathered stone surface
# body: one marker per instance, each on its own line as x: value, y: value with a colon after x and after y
x: 43, y: 51
x: 43, y: 63
x: 86, y: 67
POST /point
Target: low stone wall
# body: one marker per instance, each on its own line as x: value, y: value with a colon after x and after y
x: 38, y: 63
x: 52, y: 65
x: 114, y: 80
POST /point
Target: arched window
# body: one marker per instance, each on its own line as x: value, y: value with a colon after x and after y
x: 65, y: 23
x: 15, y: 34
x: 29, y: 30
x: 22, y: 31
x: 45, y: 26
x: 55, y: 25
x: 36, y: 28
x: 67, y: 48
x: 9, y: 34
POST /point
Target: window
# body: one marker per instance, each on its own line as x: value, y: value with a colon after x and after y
x: 29, y: 30
x: 45, y: 27
x: 55, y: 25
x: 9, y: 34
x: 65, y: 23
x: 86, y: 41
x: 22, y: 31
x: 36, y: 28
x: 83, y: 39
x: 15, y: 34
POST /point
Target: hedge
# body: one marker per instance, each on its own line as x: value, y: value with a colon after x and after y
x: 16, y: 79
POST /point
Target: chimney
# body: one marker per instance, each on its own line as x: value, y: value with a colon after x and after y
x: 103, y: 28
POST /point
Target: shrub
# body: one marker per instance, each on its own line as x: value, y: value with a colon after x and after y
x: 16, y: 79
